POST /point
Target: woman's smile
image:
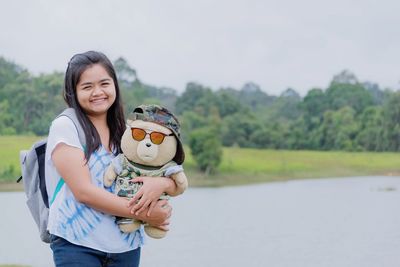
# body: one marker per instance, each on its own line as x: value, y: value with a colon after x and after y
x: 99, y: 100
x: 96, y: 90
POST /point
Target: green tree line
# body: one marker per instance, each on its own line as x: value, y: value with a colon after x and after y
x: 347, y: 115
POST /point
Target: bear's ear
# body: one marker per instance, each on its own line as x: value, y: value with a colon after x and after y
x: 138, y: 110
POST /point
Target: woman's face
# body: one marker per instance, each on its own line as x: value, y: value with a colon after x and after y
x: 95, y: 90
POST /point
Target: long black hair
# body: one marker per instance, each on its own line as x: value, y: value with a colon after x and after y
x: 115, y: 115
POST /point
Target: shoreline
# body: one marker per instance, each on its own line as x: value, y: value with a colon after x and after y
x: 11, y: 187
x: 199, y: 180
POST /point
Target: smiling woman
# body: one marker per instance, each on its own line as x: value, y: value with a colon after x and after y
x: 82, y: 212
x: 96, y: 90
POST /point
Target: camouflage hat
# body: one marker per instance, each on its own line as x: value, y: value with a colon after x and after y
x: 163, y: 117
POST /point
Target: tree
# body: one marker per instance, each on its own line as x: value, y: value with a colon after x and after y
x: 339, y: 129
x: 346, y: 91
x: 5, y: 119
x: 314, y: 103
x: 191, y: 121
x: 370, y: 134
x: 298, y: 137
x: 9, y: 72
x: 206, y: 149
x: 253, y: 97
x: 284, y: 108
x: 306, y: 131
x: 267, y: 137
x: 124, y: 71
x: 227, y: 104
x: 345, y: 77
x: 197, y: 98
x: 237, y: 129
x: 391, y: 123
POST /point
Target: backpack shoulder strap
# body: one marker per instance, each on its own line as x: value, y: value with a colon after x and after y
x: 71, y: 114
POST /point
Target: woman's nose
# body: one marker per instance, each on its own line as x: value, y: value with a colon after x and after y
x: 96, y: 90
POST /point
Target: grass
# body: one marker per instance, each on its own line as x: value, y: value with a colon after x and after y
x: 242, y: 166
x: 9, y: 155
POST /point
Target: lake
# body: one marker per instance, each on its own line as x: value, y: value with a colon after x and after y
x: 328, y: 222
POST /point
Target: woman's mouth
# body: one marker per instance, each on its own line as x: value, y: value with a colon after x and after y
x: 98, y: 100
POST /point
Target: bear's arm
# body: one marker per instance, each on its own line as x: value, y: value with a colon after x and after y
x: 109, y: 176
x: 181, y: 182
x: 116, y: 166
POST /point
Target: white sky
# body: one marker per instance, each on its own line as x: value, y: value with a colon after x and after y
x: 218, y: 43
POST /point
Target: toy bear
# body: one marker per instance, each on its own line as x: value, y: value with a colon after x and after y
x: 151, y: 146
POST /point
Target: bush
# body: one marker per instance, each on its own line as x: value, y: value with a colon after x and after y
x: 206, y: 148
x: 8, y: 131
x: 9, y: 173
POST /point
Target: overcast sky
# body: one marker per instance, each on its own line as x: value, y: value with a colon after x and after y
x: 218, y: 43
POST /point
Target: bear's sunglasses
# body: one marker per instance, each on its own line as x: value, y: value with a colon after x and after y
x: 156, y: 138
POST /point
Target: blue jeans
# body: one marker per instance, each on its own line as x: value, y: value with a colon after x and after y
x: 71, y: 255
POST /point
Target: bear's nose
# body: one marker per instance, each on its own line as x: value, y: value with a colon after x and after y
x: 148, y: 144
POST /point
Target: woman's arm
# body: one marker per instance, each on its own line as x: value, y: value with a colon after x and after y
x: 70, y: 164
x: 149, y: 194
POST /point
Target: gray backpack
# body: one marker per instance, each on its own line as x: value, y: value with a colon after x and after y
x: 33, y: 175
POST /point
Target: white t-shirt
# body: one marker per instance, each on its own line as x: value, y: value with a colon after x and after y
x: 72, y: 220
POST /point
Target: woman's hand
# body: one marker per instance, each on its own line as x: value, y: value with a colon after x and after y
x: 164, y: 226
x: 149, y: 194
x: 159, y: 217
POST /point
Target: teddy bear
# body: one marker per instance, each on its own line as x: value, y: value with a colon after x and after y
x: 151, y: 146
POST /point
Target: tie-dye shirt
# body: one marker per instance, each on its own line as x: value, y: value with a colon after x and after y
x: 72, y: 220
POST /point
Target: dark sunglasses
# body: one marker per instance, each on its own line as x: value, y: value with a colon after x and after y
x: 156, y: 137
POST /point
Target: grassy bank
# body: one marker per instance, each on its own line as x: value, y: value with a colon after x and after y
x: 9, y: 155
x: 242, y: 166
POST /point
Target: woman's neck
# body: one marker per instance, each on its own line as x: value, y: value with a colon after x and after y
x: 100, y: 123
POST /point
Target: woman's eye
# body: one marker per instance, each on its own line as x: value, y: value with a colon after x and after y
x: 121, y: 182
x: 105, y: 84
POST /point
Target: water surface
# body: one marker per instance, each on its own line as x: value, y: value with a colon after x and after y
x: 331, y: 222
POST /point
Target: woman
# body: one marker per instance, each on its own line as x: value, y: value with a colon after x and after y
x: 81, y: 219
